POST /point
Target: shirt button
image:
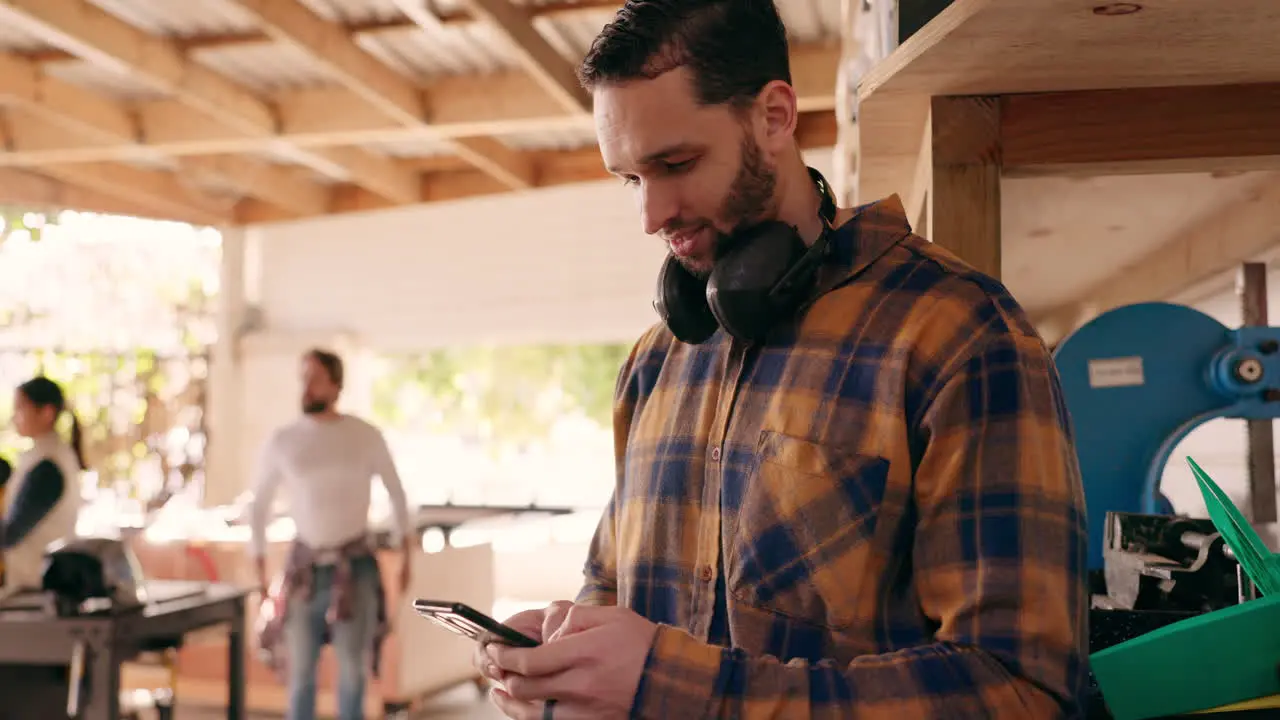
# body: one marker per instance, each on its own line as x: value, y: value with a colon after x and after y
x: 715, y: 454
x: 705, y: 573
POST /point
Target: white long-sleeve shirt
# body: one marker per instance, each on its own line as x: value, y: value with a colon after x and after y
x: 326, y: 467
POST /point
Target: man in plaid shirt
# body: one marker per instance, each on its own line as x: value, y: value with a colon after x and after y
x: 873, y: 508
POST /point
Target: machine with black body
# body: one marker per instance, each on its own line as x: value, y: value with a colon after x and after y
x: 1169, y: 563
x: 62, y: 645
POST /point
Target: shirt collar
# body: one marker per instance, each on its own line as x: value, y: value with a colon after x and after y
x: 875, y: 229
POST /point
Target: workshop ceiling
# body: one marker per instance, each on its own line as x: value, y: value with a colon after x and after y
x: 242, y: 111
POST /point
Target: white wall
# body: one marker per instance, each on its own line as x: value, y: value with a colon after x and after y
x: 567, y: 264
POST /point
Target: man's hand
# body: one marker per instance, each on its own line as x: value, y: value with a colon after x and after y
x: 591, y: 666
x: 538, y: 624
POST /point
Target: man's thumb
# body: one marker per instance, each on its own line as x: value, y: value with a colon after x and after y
x: 581, y: 618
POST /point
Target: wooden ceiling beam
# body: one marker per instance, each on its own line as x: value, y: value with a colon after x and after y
x: 372, y: 29
x: 288, y: 188
x: 163, y: 191
x: 326, y: 43
x: 46, y: 106
x: 490, y: 156
x: 25, y: 84
x: 53, y: 110
x: 553, y: 71
x: 380, y: 87
x: 29, y: 189
x: 444, y: 180
x: 462, y: 107
x: 96, y: 36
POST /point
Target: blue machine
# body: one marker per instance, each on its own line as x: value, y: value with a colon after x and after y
x: 1139, y: 379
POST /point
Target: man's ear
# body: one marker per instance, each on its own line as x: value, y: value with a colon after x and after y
x: 777, y: 103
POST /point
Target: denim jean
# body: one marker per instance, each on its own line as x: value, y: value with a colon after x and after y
x: 351, y: 640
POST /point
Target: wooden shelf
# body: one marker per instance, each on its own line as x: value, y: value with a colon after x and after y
x: 1009, y: 47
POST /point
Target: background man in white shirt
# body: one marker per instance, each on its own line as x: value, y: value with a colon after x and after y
x: 331, y: 589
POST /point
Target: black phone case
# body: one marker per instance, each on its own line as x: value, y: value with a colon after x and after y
x: 469, y: 622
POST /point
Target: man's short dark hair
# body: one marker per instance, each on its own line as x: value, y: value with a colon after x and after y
x: 331, y: 363
x: 733, y: 48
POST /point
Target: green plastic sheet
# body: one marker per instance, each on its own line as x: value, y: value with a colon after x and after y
x: 1259, y: 563
x: 1210, y: 660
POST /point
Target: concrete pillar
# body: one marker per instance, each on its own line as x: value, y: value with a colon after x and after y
x: 225, y: 381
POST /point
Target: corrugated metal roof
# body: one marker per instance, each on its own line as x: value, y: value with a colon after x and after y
x: 810, y: 20
x: 460, y: 49
x: 355, y: 12
x: 575, y: 30
x: 265, y: 67
x: 103, y: 80
x: 181, y: 18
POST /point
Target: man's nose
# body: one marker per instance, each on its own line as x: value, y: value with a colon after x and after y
x: 658, y: 207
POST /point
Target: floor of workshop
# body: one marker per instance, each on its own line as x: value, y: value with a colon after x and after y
x: 462, y: 703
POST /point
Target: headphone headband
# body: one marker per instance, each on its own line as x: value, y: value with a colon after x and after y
x: 827, y: 210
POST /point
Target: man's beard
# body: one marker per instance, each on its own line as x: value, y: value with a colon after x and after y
x: 749, y: 197
x: 314, y: 407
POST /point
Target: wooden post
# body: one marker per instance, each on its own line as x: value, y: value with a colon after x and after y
x: 964, y: 191
x: 1262, y: 464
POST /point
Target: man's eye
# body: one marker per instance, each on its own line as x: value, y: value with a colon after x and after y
x: 682, y: 166
x: 630, y: 180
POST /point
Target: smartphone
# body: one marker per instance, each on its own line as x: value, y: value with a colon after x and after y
x: 467, y: 621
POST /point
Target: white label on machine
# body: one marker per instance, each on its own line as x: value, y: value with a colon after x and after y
x: 1115, y: 372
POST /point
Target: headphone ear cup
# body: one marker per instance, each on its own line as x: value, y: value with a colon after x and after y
x: 740, y: 291
x: 681, y: 302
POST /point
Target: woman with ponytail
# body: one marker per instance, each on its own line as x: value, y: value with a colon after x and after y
x: 42, y: 499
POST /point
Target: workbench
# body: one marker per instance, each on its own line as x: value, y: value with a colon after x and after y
x: 31, y: 639
x: 463, y: 573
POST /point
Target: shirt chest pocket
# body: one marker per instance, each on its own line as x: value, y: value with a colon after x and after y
x: 804, y: 537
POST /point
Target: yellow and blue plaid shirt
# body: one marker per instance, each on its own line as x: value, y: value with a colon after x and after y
x: 877, y: 513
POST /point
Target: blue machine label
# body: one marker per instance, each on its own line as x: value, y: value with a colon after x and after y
x: 1115, y: 372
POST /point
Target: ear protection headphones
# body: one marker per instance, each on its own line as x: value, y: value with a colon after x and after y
x: 761, y: 275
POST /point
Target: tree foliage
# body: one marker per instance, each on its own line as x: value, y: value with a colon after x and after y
x: 14, y: 219
x: 502, y: 396
x: 122, y: 323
